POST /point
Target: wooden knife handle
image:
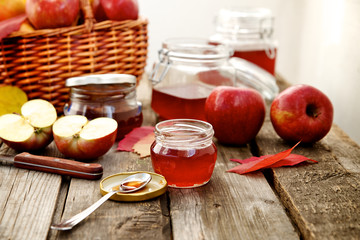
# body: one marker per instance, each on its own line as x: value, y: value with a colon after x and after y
x: 61, y: 166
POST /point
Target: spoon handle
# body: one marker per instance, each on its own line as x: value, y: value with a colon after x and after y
x: 69, y: 224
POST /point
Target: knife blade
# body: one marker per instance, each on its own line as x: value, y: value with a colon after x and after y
x: 72, y: 168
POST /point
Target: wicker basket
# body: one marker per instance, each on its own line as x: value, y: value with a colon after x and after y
x: 39, y: 62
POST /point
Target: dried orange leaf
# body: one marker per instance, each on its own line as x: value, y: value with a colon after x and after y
x: 142, y: 147
x: 11, y: 99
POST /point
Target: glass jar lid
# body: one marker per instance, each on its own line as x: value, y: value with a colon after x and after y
x: 192, y: 48
x: 100, y: 79
x: 251, y: 75
x: 245, y: 21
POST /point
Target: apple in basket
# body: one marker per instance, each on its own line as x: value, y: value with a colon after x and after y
x: 80, y: 139
x: 119, y: 10
x: 235, y: 113
x: 301, y: 112
x: 52, y: 14
x: 32, y: 130
x: 11, y: 8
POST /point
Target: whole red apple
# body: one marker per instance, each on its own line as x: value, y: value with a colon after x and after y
x: 119, y: 10
x: 52, y: 13
x: 236, y: 114
x: 301, y: 112
x: 98, y: 11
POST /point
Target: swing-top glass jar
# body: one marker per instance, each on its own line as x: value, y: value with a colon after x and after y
x: 189, y: 69
x: 249, y: 32
x: 106, y: 95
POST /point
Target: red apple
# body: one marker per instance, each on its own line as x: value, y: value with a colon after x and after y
x: 119, y: 10
x: 32, y: 130
x: 301, y: 112
x: 11, y: 8
x: 80, y: 139
x: 98, y: 11
x: 236, y: 114
x: 52, y: 13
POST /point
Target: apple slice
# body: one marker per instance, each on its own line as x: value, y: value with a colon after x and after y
x: 80, y: 139
x: 32, y: 130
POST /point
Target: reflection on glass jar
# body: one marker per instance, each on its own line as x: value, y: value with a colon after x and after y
x: 189, y: 69
x: 183, y: 152
x: 249, y: 31
x: 106, y: 95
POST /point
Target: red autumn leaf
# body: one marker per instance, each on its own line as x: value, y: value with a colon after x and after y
x: 262, y: 163
x: 10, y: 25
x: 130, y: 139
x: 290, y: 160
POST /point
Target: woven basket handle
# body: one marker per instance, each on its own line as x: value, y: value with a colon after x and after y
x: 88, y: 14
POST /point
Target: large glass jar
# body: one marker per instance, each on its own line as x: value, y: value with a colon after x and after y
x: 106, y: 95
x: 183, y: 152
x: 249, y: 32
x: 189, y: 69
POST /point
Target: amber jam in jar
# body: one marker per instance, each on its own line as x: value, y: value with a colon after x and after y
x: 187, y: 71
x: 249, y: 32
x: 183, y: 152
x: 106, y: 95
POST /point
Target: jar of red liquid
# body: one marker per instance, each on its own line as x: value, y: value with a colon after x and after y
x: 248, y: 32
x: 189, y: 69
x: 106, y: 95
x: 183, y: 152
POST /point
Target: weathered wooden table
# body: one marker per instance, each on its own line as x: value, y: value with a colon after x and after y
x: 309, y: 201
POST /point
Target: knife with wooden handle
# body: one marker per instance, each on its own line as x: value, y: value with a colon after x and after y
x: 91, y: 171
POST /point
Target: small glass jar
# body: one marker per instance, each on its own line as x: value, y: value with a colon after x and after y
x: 183, y: 152
x: 248, y: 31
x: 189, y: 69
x: 106, y: 95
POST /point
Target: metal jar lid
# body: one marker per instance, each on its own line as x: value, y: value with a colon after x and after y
x: 100, y: 79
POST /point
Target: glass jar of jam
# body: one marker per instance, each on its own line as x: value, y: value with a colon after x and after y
x: 106, y: 95
x: 249, y: 32
x: 183, y: 152
x: 189, y: 69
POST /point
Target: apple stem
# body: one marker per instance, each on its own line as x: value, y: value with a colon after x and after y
x: 312, y: 111
x: 37, y: 130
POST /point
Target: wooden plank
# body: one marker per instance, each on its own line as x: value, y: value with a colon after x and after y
x: 323, y: 198
x: 230, y: 206
x: 27, y: 201
x: 134, y: 220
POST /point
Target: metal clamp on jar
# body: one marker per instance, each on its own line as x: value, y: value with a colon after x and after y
x: 189, y: 69
x: 106, y: 95
x: 249, y: 31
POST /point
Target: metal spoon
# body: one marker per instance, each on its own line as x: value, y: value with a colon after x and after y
x: 132, y: 183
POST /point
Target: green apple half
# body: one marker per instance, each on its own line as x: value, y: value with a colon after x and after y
x: 32, y: 130
x: 80, y: 139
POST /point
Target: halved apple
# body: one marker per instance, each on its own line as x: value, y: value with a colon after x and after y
x: 80, y: 139
x: 32, y: 130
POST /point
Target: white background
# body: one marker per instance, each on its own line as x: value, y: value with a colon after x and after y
x: 319, y: 42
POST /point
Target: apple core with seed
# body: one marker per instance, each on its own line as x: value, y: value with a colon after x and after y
x: 32, y: 130
x: 80, y: 139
